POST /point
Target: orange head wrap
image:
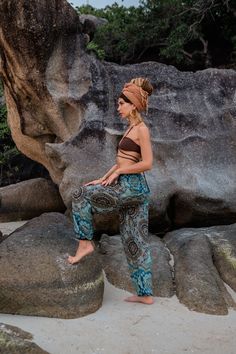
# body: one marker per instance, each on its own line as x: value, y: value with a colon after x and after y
x: 136, y: 95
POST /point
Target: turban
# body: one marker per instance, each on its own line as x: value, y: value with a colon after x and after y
x: 136, y: 95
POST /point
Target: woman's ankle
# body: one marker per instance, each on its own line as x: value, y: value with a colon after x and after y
x: 86, y: 243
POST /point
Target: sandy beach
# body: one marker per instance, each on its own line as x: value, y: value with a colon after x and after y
x: 123, y: 328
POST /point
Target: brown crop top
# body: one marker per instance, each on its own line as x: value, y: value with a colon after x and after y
x: 127, y: 144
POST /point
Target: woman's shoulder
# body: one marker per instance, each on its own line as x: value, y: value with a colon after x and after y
x: 142, y: 127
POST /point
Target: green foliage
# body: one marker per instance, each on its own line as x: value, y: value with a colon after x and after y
x: 1, y: 89
x: 89, y: 10
x: 186, y: 33
x: 8, y: 149
x: 4, y: 130
x: 7, y: 154
x: 95, y: 48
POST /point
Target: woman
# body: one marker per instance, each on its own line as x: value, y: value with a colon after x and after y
x: 124, y: 188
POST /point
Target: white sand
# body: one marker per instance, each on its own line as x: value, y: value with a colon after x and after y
x: 123, y: 328
x: 9, y: 227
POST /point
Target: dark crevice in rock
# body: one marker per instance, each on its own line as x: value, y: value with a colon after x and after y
x: 171, y: 211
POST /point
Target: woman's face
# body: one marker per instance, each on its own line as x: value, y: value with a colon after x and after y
x: 124, y: 108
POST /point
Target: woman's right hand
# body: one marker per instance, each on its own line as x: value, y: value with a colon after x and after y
x: 93, y: 183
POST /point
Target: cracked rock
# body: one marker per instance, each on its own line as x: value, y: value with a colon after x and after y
x: 203, y: 258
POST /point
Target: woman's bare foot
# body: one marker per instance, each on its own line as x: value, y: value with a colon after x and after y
x: 85, y: 247
x: 148, y: 300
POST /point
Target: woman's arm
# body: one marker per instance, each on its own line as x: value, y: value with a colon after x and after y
x: 102, y: 179
x: 109, y: 172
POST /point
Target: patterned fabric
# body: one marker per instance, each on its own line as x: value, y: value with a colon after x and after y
x: 130, y: 196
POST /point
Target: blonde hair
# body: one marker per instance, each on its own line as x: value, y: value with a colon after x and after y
x: 135, y: 116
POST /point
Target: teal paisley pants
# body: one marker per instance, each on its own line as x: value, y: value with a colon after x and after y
x: 130, y: 196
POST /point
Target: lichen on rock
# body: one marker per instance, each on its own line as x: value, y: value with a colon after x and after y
x: 14, y: 340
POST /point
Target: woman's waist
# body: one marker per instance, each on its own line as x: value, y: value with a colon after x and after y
x: 123, y: 162
x: 127, y: 158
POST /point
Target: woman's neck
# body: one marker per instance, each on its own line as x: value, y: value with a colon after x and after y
x: 132, y: 124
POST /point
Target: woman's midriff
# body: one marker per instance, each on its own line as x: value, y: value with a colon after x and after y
x: 123, y: 162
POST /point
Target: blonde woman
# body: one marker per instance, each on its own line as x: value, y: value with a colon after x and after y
x: 124, y: 188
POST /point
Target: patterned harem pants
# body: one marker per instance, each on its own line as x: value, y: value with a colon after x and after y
x: 130, y: 197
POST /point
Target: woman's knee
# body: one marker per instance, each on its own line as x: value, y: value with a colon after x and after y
x: 77, y: 194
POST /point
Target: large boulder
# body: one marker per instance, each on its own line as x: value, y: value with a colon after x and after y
x: 36, y: 278
x: 203, y: 259
x: 62, y: 113
x: 14, y: 340
x: 90, y: 24
x: 25, y: 200
x: 116, y: 267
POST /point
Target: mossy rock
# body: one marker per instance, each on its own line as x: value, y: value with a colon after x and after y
x: 13, y: 340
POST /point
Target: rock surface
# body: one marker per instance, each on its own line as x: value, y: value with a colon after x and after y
x: 116, y: 268
x: 62, y: 113
x: 25, y: 200
x: 15, y: 341
x: 202, y: 259
x: 90, y: 24
x: 36, y: 278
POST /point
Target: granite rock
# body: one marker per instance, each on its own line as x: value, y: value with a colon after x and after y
x: 116, y: 268
x: 36, y: 278
x: 204, y: 258
x: 14, y: 340
x: 62, y: 113
x: 27, y: 199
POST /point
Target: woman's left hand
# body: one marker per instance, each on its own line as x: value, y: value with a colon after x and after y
x: 111, y: 179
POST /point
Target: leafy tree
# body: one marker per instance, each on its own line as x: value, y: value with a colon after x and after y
x: 115, y: 37
x: 188, y: 34
x: 209, y: 28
